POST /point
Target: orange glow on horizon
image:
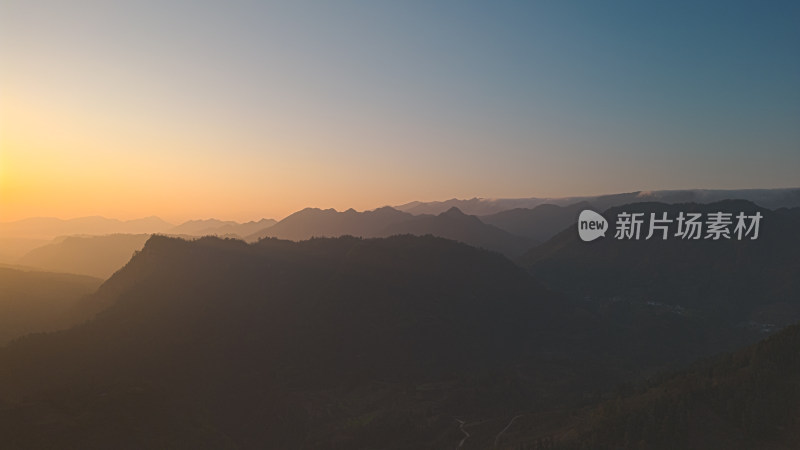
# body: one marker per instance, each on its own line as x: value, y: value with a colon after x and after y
x: 88, y: 165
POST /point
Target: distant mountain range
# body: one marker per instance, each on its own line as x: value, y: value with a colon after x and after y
x: 45, y: 228
x: 98, y: 246
x: 315, y: 222
x: 386, y: 221
x: 767, y: 198
x: 50, y: 227
x: 215, y: 227
x: 101, y: 256
x: 511, y: 232
x: 12, y: 249
x: 538, y: 224
x: 18, y: 237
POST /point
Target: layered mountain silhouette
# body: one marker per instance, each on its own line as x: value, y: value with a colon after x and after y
x: 215, y: 227
x: 315, y: 222
x: 539, y: 223
x: 12, y: 249
x: 410, y: 341
x: 455, y: 225
x: 102, y: 255
x: 386, y: 221
x: 97, y: 256
x: 200, y: 226
x: 767, y: 198
x: 34, y: 301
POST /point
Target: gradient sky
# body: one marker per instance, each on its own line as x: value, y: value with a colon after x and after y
x: 242, y: 110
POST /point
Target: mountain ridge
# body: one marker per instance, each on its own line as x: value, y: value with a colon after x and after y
x: 769, y: 198
x: 387, y: 221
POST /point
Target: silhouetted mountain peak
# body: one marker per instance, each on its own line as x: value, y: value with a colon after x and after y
x: 455, y: 215
x: 386, y: 209
x: 453, y: 212
x: 310, y: 212
x: 160, y: 244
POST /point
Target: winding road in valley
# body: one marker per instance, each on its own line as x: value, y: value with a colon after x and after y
x: 500, y: 434
x: 461, y: 424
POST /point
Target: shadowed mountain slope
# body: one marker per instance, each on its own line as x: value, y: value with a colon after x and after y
x: 740, y: 280
x: 325, y: 343
x: 219, y: 344
x: 384, y: 222
x: 455, y: 225
x: 33, y: 301
x: 745, y: 400
x: 540, y: 223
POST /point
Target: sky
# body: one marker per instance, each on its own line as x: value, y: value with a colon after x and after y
x: 248, y: 109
